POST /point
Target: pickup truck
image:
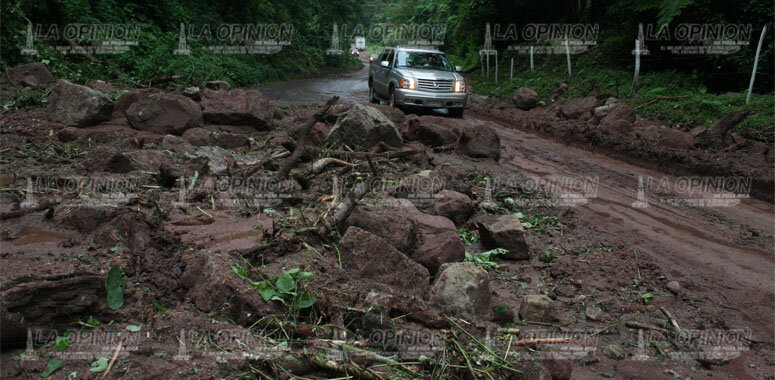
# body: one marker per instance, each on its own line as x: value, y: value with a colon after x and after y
x: 406, y: 77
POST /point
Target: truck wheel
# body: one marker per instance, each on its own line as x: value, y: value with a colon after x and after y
x: 373, y: 95
x: 456, y: 112
x: 392, y: 97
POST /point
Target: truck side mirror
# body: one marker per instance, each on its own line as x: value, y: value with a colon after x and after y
x: 384, y: 64
x: 459, y: 69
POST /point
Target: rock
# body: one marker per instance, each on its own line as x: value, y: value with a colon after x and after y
x: 480, y: 141
x: 389, y: 223
x: 127, y: 99
x: 452, y: 205
x: 84, y: 219
x: 432, y: 130
x: 437, y: 241
x: 463, y: 289
x: 198, y: 137
x: 615, y: 127
x: 525, y: 98
x: 370, y: 257
x: 363, y: 127
x: 35, y: 75
x: 505, y: 231
x: 594, y: 313
x: 238, y: 107
x: 212, y: 286
x: 578, y: 108
x: 229, y: 140
x: 538, y: 308
x: 217, y: 85
x: 394, y: 114
x: 164, y: 113
x: 148, y: 159
x: 175, y: 143
x: 420, y: 187
x: 101, y: 86
x: 193, y: 93
x: 613, y: 351
x: 316, y: 135
x: 558, y: 92
x: 218, y: 159
x: 674, y: 139
x: 77, y: 105
x: 556, y: 369
x: 603, y: 110
x: 674, y: 287
x: 611, y: 100
x: 620, y: 111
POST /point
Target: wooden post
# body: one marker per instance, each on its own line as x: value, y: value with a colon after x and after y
x: 634, y: 91
x: 567, y: 55
x: 496, y: 68
x: 531, y: 59
x: 511, y: 70
x: 755, y: 65
x: 488, y: 66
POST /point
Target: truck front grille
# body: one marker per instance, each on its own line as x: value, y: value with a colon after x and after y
x: 435, y: 85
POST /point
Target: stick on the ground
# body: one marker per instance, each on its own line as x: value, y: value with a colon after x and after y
x: 673, y: 323
x: 286, y: 166
x: 529, y: 342
x: 25, y: 211
x: 343, y: 209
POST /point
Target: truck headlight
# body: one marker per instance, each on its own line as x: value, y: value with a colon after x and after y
x: 460, y: 86
x: 406, y: 83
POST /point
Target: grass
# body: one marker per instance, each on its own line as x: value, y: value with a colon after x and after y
x: 692, y: 105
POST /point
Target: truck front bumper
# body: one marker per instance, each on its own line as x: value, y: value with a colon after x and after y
x: 426, y: 99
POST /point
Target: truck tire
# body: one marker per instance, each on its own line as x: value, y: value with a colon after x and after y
x: 373, y: 95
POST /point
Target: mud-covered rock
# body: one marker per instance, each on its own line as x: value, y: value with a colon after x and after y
x: 35, y: 75
x: 217, y: 85
x: 175, y: 143
x: 556, y: 369
x: 193, y: 93
x: 538, y: 308
x: 101, y: 86
x: 674, y: 139
x: 77, y: 105
x: 127, y: 99
x: 362, y: 127
x: 525, y: 98
x: 238, y: 107
x: 452, y: 205
x: 164, y: 113
x: 432, y: 130
x: 716, y: 135
x: 198, y: 137
x: 436, y: 242
x: 84, y: 219
x: 213, y: 287
x: 505, y: 231
x: 480, y: 141
x: 463, y: 289
x: 578, y: 108
x: 388, y: 223
x: 370, y: 257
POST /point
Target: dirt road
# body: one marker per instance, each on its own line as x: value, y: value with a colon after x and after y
x: 722, y: 256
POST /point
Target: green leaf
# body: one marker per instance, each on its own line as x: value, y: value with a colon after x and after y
x: 51, y: 366
x: 93, y: 322
x: 62, y: 342
x: 266, y: 291
x: 99, y: 365
x: 285, y: 283
x: 305, y: 300
x: 114, y: 285
x: 114, y: 249
x: 133, y: 328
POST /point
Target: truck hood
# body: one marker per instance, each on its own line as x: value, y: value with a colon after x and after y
x: 430, y: 74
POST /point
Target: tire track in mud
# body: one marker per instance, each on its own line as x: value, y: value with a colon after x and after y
x: 705, y: 246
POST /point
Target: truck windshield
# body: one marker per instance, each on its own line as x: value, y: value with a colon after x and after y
x: 423, y: 60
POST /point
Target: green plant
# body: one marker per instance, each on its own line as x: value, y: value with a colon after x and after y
x: 284, y: 288
x: 99, y: 365
x: 646, y: 297
x: 485, y: 259
x: 547, y: 256
x: 467, y: 237
x: 62, y: 341
x: 52, y: 366
x: 114, y: 285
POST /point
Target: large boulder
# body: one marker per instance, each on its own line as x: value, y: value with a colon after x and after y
x: 578, y: 108
x: 362, y: 127
x: 128, y: 98
x: 35, y: 75
x: 462, y: 289
x: 525, y: 98
x: 238, y: 107
x: 452, y: 205
x: 428, y: 239
x: 505, y: 231
x: 675, y: 139
x: 164, y: 113
x: 77, y: 105
x: 370, y: 257
x: 480, y: 141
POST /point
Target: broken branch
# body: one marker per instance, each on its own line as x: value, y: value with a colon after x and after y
x: 286, y: 166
